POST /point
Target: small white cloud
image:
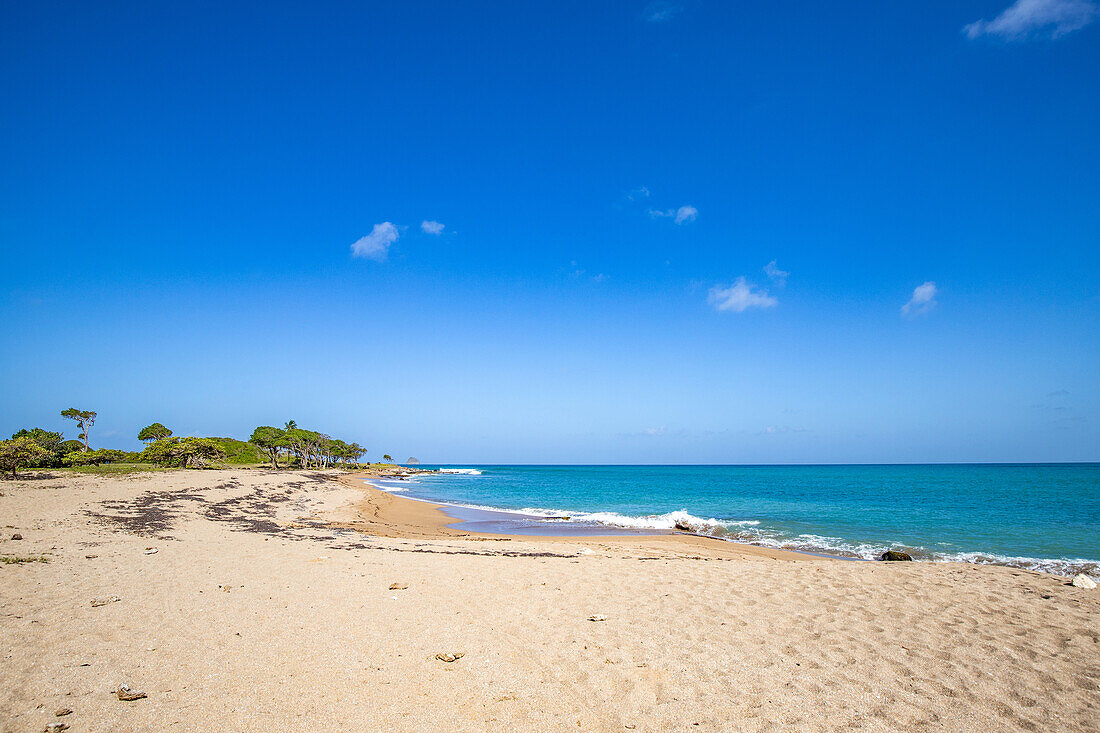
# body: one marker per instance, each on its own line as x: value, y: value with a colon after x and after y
x: 1025, y: 18
x: 682, y: 215
x: 655, y: 431
x: 431, y: 227
x: 637, y: 194
x: 779, y: 277
x: 661, y: 10
x: 739, y: 297
x: 686, y: 214
x: 923, y: 300
x: 376, y: 245
x: 777, y: 429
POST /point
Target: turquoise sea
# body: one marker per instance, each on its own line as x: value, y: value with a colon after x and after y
x: 1038, y: 516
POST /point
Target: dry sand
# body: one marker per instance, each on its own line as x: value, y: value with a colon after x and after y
x: 260, y: 610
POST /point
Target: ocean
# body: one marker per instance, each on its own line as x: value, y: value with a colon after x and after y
x: 1038, y: 516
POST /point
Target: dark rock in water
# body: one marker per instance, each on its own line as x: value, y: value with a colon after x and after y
x: 894, y: 555
x: 412, y: 462
x: 683, y: 527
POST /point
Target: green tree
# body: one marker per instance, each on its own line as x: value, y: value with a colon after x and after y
x: 48, y: 440
x: 69, y: 446
x: 183, y: 452
x: 270, y: 439
x: 19, y: 452
x: 84, y: 418
x: 198, y: 452
x: 387, y: 458
x: 95, y: 457
x: 355, y: 452
x: 154, y: 432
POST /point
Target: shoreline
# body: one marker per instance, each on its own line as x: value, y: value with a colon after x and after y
x: 386, y: 514
x: 1046, y: 566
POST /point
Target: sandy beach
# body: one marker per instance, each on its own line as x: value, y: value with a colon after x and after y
x: 261, y: 600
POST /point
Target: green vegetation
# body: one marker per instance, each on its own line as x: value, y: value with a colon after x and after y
x: 96, y: 457
x: 239, y: 452
x: 183, y: 452
x: 48, y: 441
x: 270, y: 440
x: 84, y: 418
x: 154, y: 432
x: 69, y: 446
x: 19, y: 453
x: 288, y: 446
x: 308, y: 448
x: 17, y: 560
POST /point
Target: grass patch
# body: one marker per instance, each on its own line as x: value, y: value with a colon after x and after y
x: 17, y: 560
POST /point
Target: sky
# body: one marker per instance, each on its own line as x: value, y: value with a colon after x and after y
x: 624, y: 232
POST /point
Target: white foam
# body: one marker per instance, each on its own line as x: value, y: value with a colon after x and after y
x: 748, y: 531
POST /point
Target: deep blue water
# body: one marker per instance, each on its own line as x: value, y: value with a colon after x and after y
x: 1040, y: 516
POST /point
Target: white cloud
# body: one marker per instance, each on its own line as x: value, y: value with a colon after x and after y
x: 638, y: 193
x: 655, y: 431
x: 739, y: 297
x: 431, y: 227
x: 682, y: 215
x: 376, y: 245
x: 779, y: 277
x: 661, y: 10
x: 686, y: 213
x: 777, y: 429
x: 1024, y: 18
x: 923, y: 300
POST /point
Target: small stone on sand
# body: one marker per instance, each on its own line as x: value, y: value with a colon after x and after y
x: 128, y: 695
x: 597, y: 617
x: 399, y: 586
x: 63, y: 712
x: 17, y: 536
x: 150, y: 550
x: 97, y: 602
x: 1083, y: 581
x: 51, y: 727
x: 445, y: 657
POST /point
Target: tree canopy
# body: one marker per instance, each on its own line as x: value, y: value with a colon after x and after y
x: 308, y: 447
x: 49, y: 441
x: 94, y: 457
x: 156, y: 431
x: 21, y: 452
x: 183, y: 452
x: 84, y: 418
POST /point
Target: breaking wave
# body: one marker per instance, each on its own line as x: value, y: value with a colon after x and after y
x: 754, y: 532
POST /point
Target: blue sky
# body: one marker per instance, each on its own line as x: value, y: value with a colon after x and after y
x: 496, y: 232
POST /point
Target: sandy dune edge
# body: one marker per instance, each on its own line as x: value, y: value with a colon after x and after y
x: 261, y: 611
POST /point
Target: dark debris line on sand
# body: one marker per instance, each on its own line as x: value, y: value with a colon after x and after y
x: 155, y: 514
